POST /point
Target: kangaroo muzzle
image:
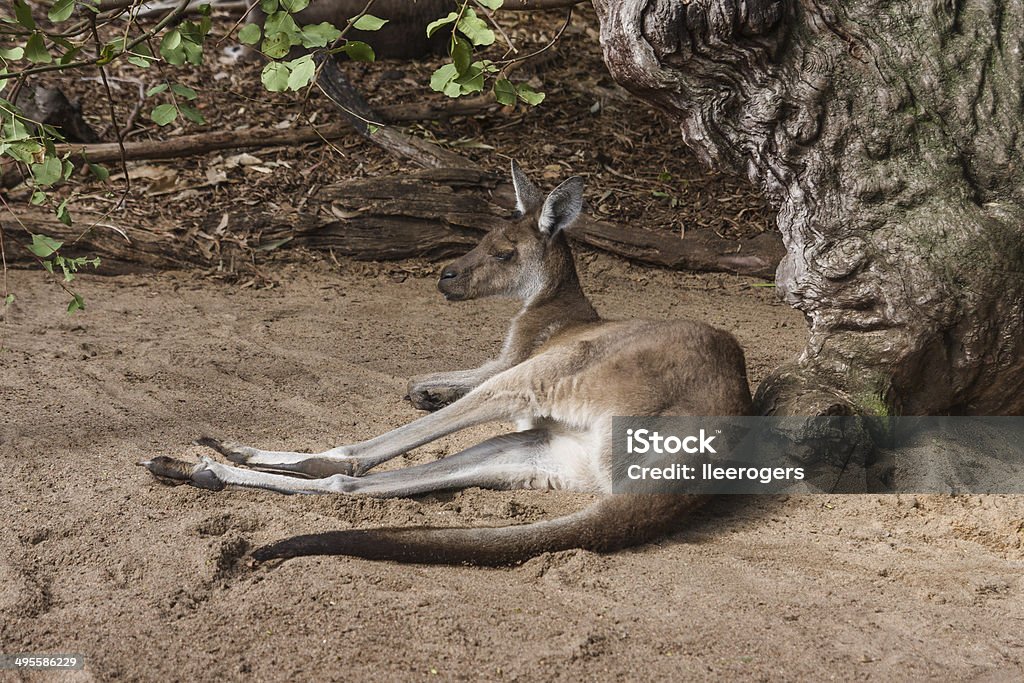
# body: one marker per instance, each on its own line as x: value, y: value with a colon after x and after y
x: 452, y: 283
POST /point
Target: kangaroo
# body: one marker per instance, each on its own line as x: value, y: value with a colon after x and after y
x: 561, y: 376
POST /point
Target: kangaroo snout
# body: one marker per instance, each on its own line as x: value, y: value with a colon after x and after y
x: 452, y: 283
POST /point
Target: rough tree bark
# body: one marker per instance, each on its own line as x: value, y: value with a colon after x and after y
x: 890, y: 136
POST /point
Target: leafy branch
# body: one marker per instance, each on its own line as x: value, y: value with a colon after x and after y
x: 80, y: 34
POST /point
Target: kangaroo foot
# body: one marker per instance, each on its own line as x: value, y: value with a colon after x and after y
x: 310, y: 465
x: 175, y: 472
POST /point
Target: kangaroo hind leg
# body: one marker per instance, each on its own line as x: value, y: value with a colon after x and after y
x: 511, y: 461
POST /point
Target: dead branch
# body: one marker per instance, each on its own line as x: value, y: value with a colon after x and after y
x: 201, y: 143
x: 369, y: 124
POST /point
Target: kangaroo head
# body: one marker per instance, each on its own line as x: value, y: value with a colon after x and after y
x: 526, y: 258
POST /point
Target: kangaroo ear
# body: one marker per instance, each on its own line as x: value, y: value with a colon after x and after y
x: 561, y: 207
x: 527, y: 195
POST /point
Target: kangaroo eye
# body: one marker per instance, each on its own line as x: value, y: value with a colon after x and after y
x: 505, y: 255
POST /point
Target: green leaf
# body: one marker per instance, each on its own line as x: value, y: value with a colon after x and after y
x: 48, y: 267
x: 442, y: 77
x: 44, y: 246
x: 302, y: 71
x: 193, y: 51
x: 475, y: 28
x: 462, y: 55
x: 8, y: 300
x: 77, y: 304
x: 174, y: 57
x: 196, y: 32
x: 35, y: 50
x: 24, y: 151
x: 504, y: 92
x: 67, y: 266
x: 49, y: 137
x: 61, y: 10
x: 192, y: 114
x: 529, y: 95
x: 110, y: 50
x: 48, y: 172
x: 491, y: 4
x: 62, y: 213
x: 294, y: 6
x: 250, y: 34
x: 320, y: 35
x: 268, y: 6
x: 184, y: 91
x: 100, y: 172
x: 275, y: 77
x: 137, y: 60
x: 156, y: 90
x: 67, y: 168
x: 70, y: 55
x: 12, y: 53
x: 368, y: 22
x: 434, y: 26
x: 472, y: 80
x: 452, y: 89
x: 38, y: 197
x: 23, y: 15
x: 282, y: 22
x: 277, y: 45
x: 163, y: 114
x: 358, y: 51
x: 171, y: 40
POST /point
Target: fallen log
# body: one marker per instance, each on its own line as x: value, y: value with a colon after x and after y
x: 433, y: 213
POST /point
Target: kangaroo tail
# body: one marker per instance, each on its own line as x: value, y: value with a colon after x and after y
x: 614, y: 522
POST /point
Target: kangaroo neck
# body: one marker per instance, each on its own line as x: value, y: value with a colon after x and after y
x: 546, y: 315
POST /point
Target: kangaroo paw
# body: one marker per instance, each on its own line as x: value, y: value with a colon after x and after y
x: 175, y: 472
x: 431, y: 399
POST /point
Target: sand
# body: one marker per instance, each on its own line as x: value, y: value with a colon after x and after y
x: 153, y: 582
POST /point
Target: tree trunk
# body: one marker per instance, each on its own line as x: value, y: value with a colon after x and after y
x: 890, y: 136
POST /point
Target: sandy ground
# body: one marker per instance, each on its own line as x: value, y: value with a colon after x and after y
x: 152, y: 582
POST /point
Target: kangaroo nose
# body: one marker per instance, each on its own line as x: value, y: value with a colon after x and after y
x: 448, y: 273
